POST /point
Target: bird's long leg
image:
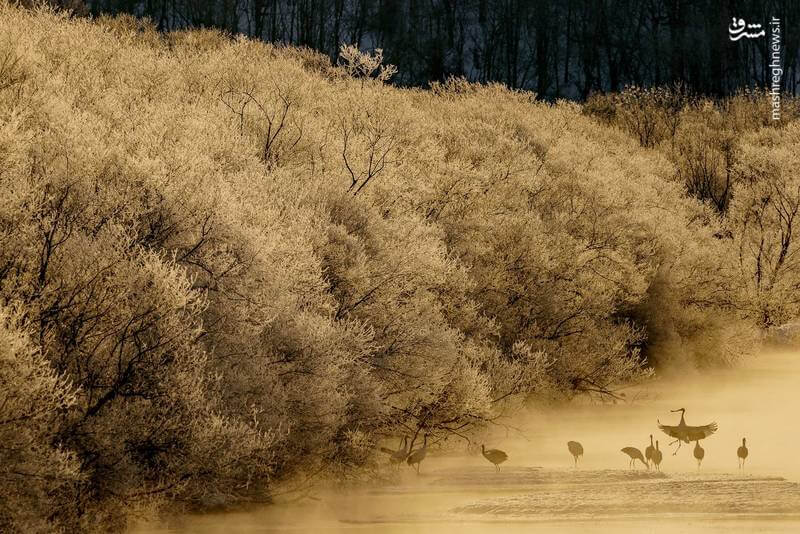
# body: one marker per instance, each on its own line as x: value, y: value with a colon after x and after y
x: 679, y: 447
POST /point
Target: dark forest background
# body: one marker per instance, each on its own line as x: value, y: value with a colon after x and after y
x: 566, y: 49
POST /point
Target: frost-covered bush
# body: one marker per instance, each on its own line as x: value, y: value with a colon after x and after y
x: 37, y: 474
x: 731, y: 155
x: 762, y: 224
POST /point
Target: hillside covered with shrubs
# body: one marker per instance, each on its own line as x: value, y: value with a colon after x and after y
x: 224, y: 264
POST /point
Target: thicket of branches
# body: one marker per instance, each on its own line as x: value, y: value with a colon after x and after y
x: 559, y: 49
x: 740, y: 162
x: 225, y: 264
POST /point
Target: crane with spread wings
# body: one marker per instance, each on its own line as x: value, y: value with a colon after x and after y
x: 685, y: 433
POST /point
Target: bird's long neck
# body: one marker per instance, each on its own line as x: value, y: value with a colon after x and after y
x: 683, y: 422
x: 651, y: 440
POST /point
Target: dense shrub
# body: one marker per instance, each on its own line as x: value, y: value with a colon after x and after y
x: 733, y: 156
x: 762, y: 222
x: 37, y: 475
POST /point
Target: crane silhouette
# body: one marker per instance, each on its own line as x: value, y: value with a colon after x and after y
x: 657, y: 457
x: 496, y: 456
x: 648, y: 452
x: 400, y: 454
x: 699, y: 452
x: 742, y: 453
x: 416, y: 456
x: 635, y: 454
x: 685, y: 433
x: 575, y: 449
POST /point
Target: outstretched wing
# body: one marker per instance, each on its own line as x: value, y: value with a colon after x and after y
x: 672, y: 431
x: 701, y: 432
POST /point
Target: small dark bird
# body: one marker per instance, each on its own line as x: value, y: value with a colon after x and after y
x: 742, y: 453
x: 699, y: 452
x: 635, y: 454
x: 496, y: 456
x: 400, y: 454
x: 648, y: 452
x: 657, y: 457
x: 575, y: 449
x: 416, y: 456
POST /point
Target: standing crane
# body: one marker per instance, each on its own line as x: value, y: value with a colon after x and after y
x: 575, y: 449
x: 416, y: 456
x: 400, y: 454
x: 648, y: 452
x: 635, y: 454
x: 657, y: 457
x: 699, y: 452
x: 685, y: 433
x: 742, y: 453
x: 496, y: 456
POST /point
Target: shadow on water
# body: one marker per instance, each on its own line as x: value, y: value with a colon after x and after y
x: 538, y: 490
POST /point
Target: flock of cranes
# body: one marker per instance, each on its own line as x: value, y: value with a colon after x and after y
x: 682, y: 433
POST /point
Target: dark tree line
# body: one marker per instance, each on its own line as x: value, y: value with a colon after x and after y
x: 569, y: 48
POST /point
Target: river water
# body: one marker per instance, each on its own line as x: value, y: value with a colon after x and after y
x: 539, y: 490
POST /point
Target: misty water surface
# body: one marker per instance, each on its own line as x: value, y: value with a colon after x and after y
x: 538, y: 490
